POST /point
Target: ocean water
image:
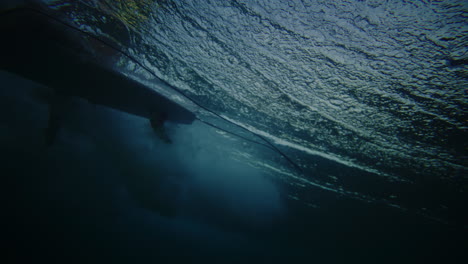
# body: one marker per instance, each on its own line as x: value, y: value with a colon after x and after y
x: 352, y: 117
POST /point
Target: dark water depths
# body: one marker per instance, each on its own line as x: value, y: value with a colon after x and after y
x: 367, y: 98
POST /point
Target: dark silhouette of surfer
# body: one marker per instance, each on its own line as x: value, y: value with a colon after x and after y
x: 75, y: 64
x: 157, y: 123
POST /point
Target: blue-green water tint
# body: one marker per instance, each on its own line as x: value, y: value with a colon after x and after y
x: 368, y: 97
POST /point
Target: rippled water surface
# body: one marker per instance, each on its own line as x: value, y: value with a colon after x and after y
x: 369, y: 98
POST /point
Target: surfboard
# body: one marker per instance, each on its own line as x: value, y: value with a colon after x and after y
x: 46, y: 51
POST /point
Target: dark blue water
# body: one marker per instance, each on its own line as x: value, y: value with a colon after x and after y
x: 368, y: 99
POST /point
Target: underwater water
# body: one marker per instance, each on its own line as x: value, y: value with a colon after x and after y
x: 364, y: 103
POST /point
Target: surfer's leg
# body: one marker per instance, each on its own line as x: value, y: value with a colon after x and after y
x: 53, y: 127
x: 161, y: 133
x: 157, y: 123
x: 57, y: 110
